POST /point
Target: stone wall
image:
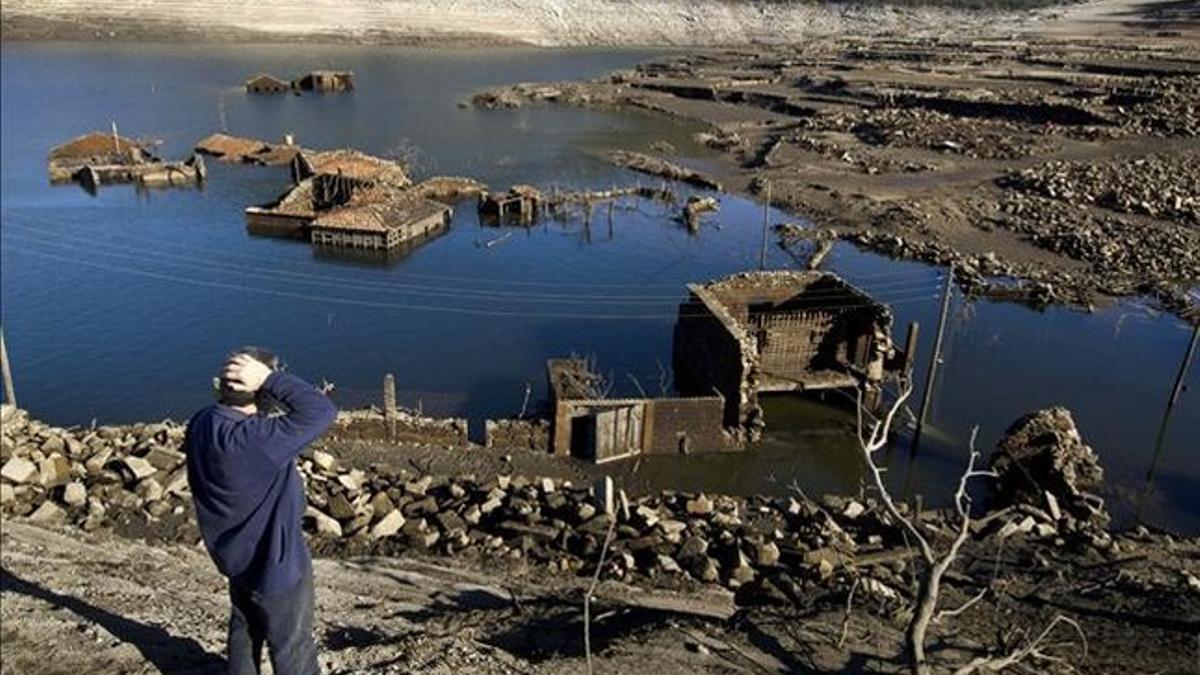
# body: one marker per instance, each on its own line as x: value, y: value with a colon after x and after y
x: 518, y: 434
x: 688, y: 425
x: 372, y: 425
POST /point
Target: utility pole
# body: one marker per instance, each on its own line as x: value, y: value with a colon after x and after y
x: 1183, y: 367
x: 762, y: 255
x: 389, y: 405
x: 10, y: 395
x: 936, y: 357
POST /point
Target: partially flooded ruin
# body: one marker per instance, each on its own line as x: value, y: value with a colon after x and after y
x: 780, y: 331
x: 348, y: 199
x: 99, y: 158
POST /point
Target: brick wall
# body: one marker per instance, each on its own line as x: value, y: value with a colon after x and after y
x: 697, y: 419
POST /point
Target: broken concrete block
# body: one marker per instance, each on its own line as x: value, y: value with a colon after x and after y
x: 389, y: 525
x: 352, y: 481
x: 667, y: 564
x: 700, y: 506
x: 604, y: 494
x: 323, y: 460
x: 473, y: 514
x: 48, y: 512
x: 1052, y: 506
x: 765, y: 555
x: 490, y: 505
x: 341, y: 508
x: 7, y: 494
x: 585, y: 512
x: 547, y: 485
x: 96, y: 463
x: 325, y: 525
x: 18, y: 470
x: 693, y: 547
x: 74, y: 494
x: 853, y: 510
x: 164, y: 458
x: 649, y: 517
x: 450, y: 522
x: 149, y: 490
x: 139, y: 467
x: 672, y: 528
x: 742, y: 574
x: 53, y: 471
x: 177, y: 483
x: 380, y: 505
x: 418, y: 488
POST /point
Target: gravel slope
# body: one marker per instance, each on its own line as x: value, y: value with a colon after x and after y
x: 538, y: 22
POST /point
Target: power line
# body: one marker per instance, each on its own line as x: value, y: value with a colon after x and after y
x: 225, y: 255
x: 419, y: 307
x: 273, y: 274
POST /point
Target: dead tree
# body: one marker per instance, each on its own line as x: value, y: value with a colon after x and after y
x: 936, y: 563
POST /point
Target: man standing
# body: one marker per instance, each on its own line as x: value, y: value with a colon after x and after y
x: 250, y: 500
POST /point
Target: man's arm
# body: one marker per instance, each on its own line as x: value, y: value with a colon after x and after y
x: 283, y: 437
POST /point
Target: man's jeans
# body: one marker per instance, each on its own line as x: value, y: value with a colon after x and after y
x: 283, y: 621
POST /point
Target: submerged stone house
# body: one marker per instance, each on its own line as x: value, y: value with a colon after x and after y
x: 781, y: 331
x: 267, y: 84
x: 348, y: 199
x: 325, y: 81
x: 97, y: 158
x: 380, y: 219
x: 519, y: 205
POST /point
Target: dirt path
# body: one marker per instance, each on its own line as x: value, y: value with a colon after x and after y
x: 1114, y: 17
x: 75, y: 603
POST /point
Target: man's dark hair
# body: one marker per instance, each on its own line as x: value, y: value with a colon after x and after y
x: 229, y: 396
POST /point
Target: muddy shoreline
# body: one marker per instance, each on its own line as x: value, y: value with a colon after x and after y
x: 1069, y: 165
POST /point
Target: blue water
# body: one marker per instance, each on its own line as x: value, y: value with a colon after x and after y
x: 119, y: 306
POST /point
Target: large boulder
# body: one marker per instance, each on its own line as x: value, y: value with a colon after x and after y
x: 1042, y: 458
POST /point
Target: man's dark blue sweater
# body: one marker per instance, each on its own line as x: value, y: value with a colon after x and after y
x: 248, y: 494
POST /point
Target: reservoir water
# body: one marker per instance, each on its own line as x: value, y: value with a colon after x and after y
x: 118, y: 306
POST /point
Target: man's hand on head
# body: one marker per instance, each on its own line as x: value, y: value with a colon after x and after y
x: 244, y: 373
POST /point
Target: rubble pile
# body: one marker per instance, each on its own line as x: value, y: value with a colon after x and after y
x: 525, y: 434
x: 82, y: 476
x: 1042, y: 461
x: 766, y: 548
x: 372, y: 424
x: 906, y: 127
x: 1155, y: 185
x: 1128, y: 257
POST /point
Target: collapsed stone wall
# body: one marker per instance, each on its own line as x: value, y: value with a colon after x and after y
x: 372, y: 425
x: 517, y: 434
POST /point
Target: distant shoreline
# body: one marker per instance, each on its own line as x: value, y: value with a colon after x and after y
x: 542, y: 23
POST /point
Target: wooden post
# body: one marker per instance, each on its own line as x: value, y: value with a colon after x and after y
x: 762, y: 255
x: 910, y: 348
x: 10, y: 395
x: 936, y: 357
x: 389, y: 405
x: 1183, y: 367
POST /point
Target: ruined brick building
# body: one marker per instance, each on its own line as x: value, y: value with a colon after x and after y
x: 780, y: 331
